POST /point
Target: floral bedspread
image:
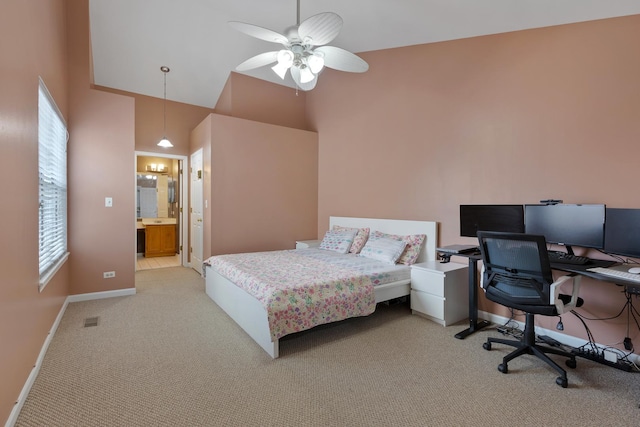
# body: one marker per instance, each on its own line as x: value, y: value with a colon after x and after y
x: 297, y: 291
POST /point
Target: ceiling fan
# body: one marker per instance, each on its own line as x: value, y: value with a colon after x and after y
x: 305, y: 53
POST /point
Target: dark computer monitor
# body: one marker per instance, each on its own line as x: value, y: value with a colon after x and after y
x: 622, y: 232
x: 507, y: 218
x: 568, y: 225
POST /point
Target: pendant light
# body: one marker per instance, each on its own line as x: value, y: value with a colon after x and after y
x: 164, y: 142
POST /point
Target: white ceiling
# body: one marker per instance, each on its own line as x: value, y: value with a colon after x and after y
x: 131, y: 39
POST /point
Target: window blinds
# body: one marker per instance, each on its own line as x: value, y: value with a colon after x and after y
x: 52, y: 165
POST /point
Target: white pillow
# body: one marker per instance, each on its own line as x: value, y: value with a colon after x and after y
x: 338, y: 240
x: 383, y: 249
x: 362, y: 235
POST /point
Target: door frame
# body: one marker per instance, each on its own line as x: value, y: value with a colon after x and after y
x: 183, y: 202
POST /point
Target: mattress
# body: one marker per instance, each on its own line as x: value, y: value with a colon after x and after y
x: 303, y: 288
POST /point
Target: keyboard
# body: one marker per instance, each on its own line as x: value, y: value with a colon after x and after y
x: 616, y: 273
x: 565, y: 258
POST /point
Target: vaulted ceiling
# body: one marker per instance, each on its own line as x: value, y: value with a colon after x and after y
x: 132, y: 39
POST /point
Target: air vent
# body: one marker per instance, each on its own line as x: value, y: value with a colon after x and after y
x: 90, y: 321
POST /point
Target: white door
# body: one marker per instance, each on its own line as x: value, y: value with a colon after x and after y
x: 196, y: 197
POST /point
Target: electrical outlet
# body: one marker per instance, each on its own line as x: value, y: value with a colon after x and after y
x: 109, y: 274
x: 108, y: 202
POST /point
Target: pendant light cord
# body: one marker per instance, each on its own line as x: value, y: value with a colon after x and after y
x: 164, y: 106
x: 164, y: 142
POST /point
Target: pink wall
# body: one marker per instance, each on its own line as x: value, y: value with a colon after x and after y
x: 508, y: 118
x: 101, y: 164
x: 181, y: 119
x: 249, y: 98
x: 33, y: 43
x: 263, y: 187
x: 260, y: 182
x: 255, y: 155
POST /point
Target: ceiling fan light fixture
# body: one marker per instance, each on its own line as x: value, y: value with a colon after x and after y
x: 285, y: 61
x: 280, y: 70
x: 305, y: 52
x: 316, y: 62
x: 306, y: 75
x: 285, y: 57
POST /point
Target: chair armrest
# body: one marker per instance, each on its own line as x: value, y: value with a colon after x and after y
x: 555, y: 292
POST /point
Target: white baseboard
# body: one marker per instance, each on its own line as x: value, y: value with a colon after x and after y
x: 101, y: 295
x: 13, y: 417
x: 563, y: 338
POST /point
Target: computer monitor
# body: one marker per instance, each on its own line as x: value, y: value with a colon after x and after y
x: 568, y: 225
x: 622, y: 232
x: 507, y: 218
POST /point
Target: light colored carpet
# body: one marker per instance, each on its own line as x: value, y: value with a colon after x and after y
x: 168, y: 356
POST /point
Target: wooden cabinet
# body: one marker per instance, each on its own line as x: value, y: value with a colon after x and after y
x: 440, y: 291
x: 160, y: 240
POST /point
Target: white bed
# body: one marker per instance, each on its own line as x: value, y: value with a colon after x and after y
x: 250, y: 314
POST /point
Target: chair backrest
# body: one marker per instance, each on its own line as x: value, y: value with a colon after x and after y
x: 516, y: 268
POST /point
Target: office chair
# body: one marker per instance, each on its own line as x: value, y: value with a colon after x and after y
x: 516, y: 274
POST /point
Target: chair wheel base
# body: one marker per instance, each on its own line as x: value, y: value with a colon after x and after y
x: 503, y: 368
x: 487, y: 346
x: 571, y: 363
x: 562, y: 382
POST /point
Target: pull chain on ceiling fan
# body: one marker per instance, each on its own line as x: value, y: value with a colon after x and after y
x: 305, y: 53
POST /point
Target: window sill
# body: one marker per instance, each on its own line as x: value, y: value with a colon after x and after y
x: 44, y: 280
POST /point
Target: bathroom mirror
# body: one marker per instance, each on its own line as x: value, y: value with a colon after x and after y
x: 156, y: 188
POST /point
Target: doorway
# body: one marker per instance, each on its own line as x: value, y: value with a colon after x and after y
x: 161, y: 187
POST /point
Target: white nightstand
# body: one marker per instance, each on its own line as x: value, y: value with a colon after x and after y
x: 305, y: 244
x: 440, y: 291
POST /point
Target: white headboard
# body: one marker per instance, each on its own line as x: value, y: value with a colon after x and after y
x: 396, y: 226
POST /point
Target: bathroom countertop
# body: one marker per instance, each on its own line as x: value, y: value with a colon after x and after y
x: 155, y: 221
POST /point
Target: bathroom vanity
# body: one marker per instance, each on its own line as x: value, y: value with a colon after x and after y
x: 160, y: 237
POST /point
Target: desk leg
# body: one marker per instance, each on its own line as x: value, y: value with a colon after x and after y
x: 474, y: 324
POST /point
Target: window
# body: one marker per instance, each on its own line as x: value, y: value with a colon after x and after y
x: 52, y: 168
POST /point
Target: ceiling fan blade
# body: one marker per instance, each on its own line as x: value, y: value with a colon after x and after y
x: 320, y: 29
x: 259, y: 32
x: 342, y: 60
x: 258, y: 61
x: 295, y: 73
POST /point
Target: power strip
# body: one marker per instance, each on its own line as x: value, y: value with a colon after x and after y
x: 600, y: 358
